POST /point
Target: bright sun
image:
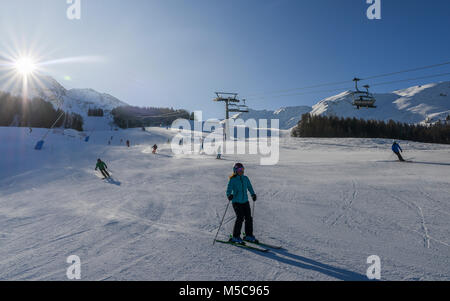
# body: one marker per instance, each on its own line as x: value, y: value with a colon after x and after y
x: 25, y: 66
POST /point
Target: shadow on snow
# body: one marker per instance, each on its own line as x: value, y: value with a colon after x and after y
x: 301, y: 262
x: 114, y: 182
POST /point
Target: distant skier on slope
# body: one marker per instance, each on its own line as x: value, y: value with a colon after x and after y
x: 128, y: 143
x: 219, y: 153
x: 397, y: 149
x: 102, y: 166
x: 237, y: 193
x: 155, y: 148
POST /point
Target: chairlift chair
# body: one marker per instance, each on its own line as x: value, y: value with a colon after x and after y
x: 363, y: 99
x: 243, y: 108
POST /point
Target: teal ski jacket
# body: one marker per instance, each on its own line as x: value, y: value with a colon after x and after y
x: 238, y: 186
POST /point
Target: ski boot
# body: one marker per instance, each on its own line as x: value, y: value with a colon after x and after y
x: 251, y: 239
x: 237, y: 240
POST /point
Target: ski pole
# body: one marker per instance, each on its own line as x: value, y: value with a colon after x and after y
x: 253, y: 211
x: 228, y: 205
x: 253, y: 214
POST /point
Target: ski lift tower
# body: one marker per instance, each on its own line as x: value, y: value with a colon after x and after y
x: 231, y: 101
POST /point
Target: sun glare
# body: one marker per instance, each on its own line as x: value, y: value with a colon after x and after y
x: 25, y: 66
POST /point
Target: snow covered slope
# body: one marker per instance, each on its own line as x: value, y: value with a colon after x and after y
x: 288, y: 116
x: 413, y: 105
x: 331, y: 203
x: 75, y: 100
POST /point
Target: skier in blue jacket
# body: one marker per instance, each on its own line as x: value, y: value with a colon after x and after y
x: 397, y: 149
x: 237, y: 193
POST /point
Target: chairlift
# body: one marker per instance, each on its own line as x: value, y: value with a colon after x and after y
x: 243, y: 108
x: 363, y: 99
x: 234, y: 108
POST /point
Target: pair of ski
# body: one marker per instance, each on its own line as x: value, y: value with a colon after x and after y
x: 261, y: 247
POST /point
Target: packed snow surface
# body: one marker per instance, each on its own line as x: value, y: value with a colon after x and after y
x: 331, y: 203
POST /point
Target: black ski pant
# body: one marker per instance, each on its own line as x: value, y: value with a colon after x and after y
x: 399, y: 156
x: 243, y: 212
x: 105, y: 173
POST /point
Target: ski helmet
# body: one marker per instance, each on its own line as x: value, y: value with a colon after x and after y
x: 237, y: 166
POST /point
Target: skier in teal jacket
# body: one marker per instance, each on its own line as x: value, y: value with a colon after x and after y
x: 237, y: 193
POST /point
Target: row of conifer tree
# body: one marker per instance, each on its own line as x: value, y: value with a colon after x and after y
x: 331, y: 126
x: 36, y: 113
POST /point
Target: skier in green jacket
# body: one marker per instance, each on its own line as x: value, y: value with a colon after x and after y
x: 237, y: 193
x: 102, y: 166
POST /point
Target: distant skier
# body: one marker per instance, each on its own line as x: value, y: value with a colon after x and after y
x: 397, y: 149
x: 237, y: 193
x: 128, y: 143
x: 102, y: 166
x: 31, y: 130
x: 219, y: 153
x: 155, y: 148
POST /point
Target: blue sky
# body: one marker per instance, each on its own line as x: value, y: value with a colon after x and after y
x: 178, y: 53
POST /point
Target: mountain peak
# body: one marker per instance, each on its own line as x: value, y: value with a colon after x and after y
x: 77, y: 101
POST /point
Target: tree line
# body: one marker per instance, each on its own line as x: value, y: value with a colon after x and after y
x: 96, y: 112
x: 133, y: 117
x: 332, y: 126
x: 37, y: 113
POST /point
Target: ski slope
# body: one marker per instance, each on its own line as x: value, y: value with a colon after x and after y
x: 331, y: 203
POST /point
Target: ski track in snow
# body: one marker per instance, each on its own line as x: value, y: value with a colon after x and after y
x: 328, y: 202
x: 347, y: 204
x: 419, y: 212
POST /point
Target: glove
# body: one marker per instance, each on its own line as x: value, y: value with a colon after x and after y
x: 254, y: 197
x: 230, y: 197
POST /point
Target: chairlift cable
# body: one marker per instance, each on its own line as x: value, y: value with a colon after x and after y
x: 406, y: 71
x: 347, y: 81
x: 410, y: 79
x: 340, y: 89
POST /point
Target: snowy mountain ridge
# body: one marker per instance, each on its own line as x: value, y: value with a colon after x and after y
x: 418, y: 104
x: 77, y: 101
x: 288, y: 116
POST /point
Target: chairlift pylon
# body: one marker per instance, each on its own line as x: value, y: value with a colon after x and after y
x: 231, y: 103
